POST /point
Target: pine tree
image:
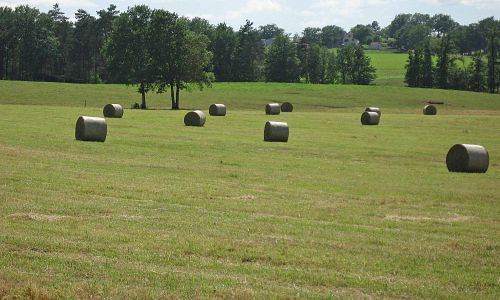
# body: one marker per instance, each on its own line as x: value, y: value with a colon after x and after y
x: 427, y: 69
x: 363, y: 71
x: 248, y: 55
x: 492, y: 61
x: 477, y: 82
x: 443, y: 63
x: 411, y: 70
x: 223, y: 47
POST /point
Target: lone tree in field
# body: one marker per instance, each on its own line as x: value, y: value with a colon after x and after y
x: 126, y: 50
x: 179, y: 56
x: 161, y: 39
x: 192, y: 61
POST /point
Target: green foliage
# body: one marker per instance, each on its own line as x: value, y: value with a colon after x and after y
x: 332, y: 36
x: 223, y: 47
x: 51, y: 47
x: 363, y: 71
x: 311, y: 35
x: 427, y: 68
x: 443, y: 63
x: 282, y: 63
x: 493, y: 79
x: 363, y: 33
x: 270, y: 31
x: 345, y: 62
x: 249, y: 54
x: 354, y: 66
x: 415, y: 36
x: 128, y: 57
x: 412, y: 70
x: 442, y: 24
x: 477, y: 82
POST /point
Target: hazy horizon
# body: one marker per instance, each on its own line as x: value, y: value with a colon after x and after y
x: 292, y: 15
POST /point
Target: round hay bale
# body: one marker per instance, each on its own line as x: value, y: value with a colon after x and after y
x: 370, y: 118
x: 467, y: 158
x: 273, y: 109
x: 286, y: 107
x: 217, y: 110
x: 113, y: 111
x: 276, y: 132
x: 374, y: 109
x: 91, y: 129
x: 195, y: 118
x: 430, y: 110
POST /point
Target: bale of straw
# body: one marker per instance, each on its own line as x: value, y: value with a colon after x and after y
x: 430, y: 110
x: 276, y: 132
x: 370, y: 118
x: 113, y: 111
x: 467, y: 158
x: 91, y: 129
x: 195, y: 118
x: 273, y: 109
x: 286, y: 107
x: 374, y: 109
x: 217, y: 110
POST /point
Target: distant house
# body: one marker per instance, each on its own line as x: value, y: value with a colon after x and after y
x: 267, y: 42
x: 349, y: 40
x: 375, y: 46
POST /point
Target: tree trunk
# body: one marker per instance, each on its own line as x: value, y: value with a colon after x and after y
x: 143, y: 94
x: 177, y: 95
x: 172, y: 95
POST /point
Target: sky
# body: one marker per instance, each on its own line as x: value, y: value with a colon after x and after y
x: 291, y: 15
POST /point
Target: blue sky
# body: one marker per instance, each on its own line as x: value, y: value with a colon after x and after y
x: 292, y: 15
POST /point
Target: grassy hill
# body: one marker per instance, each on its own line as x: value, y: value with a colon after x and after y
x: 249, y: 96
x: 390, y: 67
x: 161, y: 210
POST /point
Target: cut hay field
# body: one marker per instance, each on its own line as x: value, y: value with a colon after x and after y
x: 390, y: 66
x: 161, y: 210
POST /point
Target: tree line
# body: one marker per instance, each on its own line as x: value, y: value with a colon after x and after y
x: 482, y: 74
x: 160, y: 51
x: 163, y: 52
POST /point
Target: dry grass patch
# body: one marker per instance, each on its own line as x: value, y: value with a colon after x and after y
x: 448, y: 219
x: 36, y: 217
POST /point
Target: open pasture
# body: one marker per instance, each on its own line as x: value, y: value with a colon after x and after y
x: 165, y: 210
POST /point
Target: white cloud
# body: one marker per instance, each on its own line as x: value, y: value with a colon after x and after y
x: 350, y: 7
x: 472, y: 3
x: 62, y: 3
x: 255, y: 6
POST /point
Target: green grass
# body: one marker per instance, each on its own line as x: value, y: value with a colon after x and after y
x: 390, y: 67
x: 251, y: 96
x: 161, y: 210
